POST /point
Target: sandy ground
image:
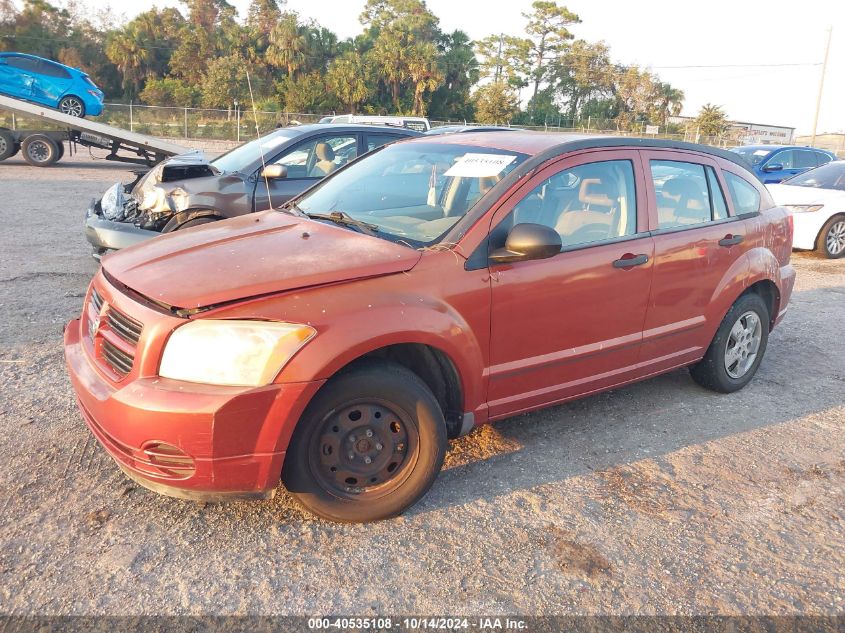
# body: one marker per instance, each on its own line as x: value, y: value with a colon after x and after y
x: 659, y: 498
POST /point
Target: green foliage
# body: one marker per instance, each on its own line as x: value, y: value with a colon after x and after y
x: 201, y: 53
x: 169, y: 91
x: 496, y: 103
x: 711, y: 121
x: 225, y: 82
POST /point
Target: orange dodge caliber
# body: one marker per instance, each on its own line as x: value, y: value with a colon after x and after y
x: 429, y: 287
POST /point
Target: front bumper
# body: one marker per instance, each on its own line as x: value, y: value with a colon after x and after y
x: 187, y: 440
x: 106, y: 235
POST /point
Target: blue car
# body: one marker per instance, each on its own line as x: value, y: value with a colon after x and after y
x: 774, y: 163
x: 55, y: 85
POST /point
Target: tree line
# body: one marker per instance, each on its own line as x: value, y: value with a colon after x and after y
x: 401, y: 62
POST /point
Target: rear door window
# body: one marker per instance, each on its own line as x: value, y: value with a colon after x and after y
x: 53, y: 70
x: 823, y: 158
x: 804, y: 159
x: 745, y: 196
x: 686, y: 194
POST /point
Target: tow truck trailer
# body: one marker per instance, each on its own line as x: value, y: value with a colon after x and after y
x: 44, y: 148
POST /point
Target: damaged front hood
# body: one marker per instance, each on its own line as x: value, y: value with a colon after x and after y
x: 182, y: 167
x: 252, y: 255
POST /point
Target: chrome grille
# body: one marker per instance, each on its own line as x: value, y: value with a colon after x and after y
x: 96, y: 300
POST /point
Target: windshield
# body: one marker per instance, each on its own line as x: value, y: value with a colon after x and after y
x: 412, y: 192
x: 248, y: 153
x: 753, y: 155
x: 830, y: 176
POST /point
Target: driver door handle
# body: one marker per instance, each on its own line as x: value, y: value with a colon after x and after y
x: 629, y: 261
x: 730, y: 240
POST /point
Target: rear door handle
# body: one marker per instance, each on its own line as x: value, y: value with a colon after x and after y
x: 730, y: 240
x: 628, y: 261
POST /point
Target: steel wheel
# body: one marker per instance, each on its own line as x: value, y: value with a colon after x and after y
x: 835, y: 239
x: 364, y: 450
x: 72, y: 106
x: 743, y: 344
x: 39, y: 151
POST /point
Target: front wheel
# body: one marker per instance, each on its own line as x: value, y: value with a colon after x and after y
x: 72, y: 106
x: 738, y: 347
x: 369, y: 445
x: 831, y: 242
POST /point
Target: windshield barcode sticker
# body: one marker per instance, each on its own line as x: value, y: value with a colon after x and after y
x: 480, y: 165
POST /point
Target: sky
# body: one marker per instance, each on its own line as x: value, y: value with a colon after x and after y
x: 769, y: 53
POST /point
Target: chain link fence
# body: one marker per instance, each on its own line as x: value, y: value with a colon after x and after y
x: 237, y: 125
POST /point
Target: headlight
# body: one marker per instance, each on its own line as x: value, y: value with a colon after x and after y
x: 155, y: 200
x: 236, y: 353
x: 804, y: 208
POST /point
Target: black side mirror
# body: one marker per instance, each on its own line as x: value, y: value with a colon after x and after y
x: 773, y: 167
x: 526, y: 242
x: 274, y: 172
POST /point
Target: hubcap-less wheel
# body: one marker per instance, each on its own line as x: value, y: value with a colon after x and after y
x: 71, y: 106
x: 364, y: 450
x: 39, y: 151
x: 835, y: 239
x: 743, y: 345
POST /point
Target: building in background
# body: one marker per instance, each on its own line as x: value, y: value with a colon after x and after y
x: 748, y: 133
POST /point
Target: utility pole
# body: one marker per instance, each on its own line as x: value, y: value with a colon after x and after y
x: 821, y: 85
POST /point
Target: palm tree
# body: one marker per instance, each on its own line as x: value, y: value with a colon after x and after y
x: 346, y: 80
x: 423, y: 72
x: 389, y: 56
x: 711, y: 120
x: 288, y: 44
x: 671, y: 101
x: 127, y: 51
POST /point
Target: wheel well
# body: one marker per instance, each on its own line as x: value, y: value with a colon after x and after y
x: 434, y: 368
x: 824, y: 226
x: 186, y: 216
x: 768, y: 292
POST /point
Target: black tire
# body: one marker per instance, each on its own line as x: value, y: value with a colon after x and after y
x: 39, y: 150
x: 712, y: 371
x: 196, y: 222
x: 61, y: 147
x: 72, y: 106
x: 406, y: 423
x: 8, y: 146
x: 830, y: 238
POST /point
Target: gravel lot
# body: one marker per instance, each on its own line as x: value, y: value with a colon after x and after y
x: 659, y: 498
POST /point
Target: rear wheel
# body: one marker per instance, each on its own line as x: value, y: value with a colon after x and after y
x: 8, y: 145
x: 72, y: 106
x: 831, y: 242
x: 39, y: 150
x: 738, y: 347
x: 369, y: 445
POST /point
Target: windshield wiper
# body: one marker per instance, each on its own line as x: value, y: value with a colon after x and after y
x: 344, y: 219
x: 290, y: 205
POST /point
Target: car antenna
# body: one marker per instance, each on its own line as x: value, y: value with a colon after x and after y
x: 260, y: 146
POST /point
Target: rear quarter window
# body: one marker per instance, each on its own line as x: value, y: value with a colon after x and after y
x: 745, y: 196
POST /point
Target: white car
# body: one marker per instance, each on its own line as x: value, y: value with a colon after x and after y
x: 817, y: 201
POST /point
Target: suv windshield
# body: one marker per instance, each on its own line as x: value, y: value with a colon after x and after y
x: 830, y: 176
x: 753, y: 155
x: 248, y: 153
x: 412, y: 192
